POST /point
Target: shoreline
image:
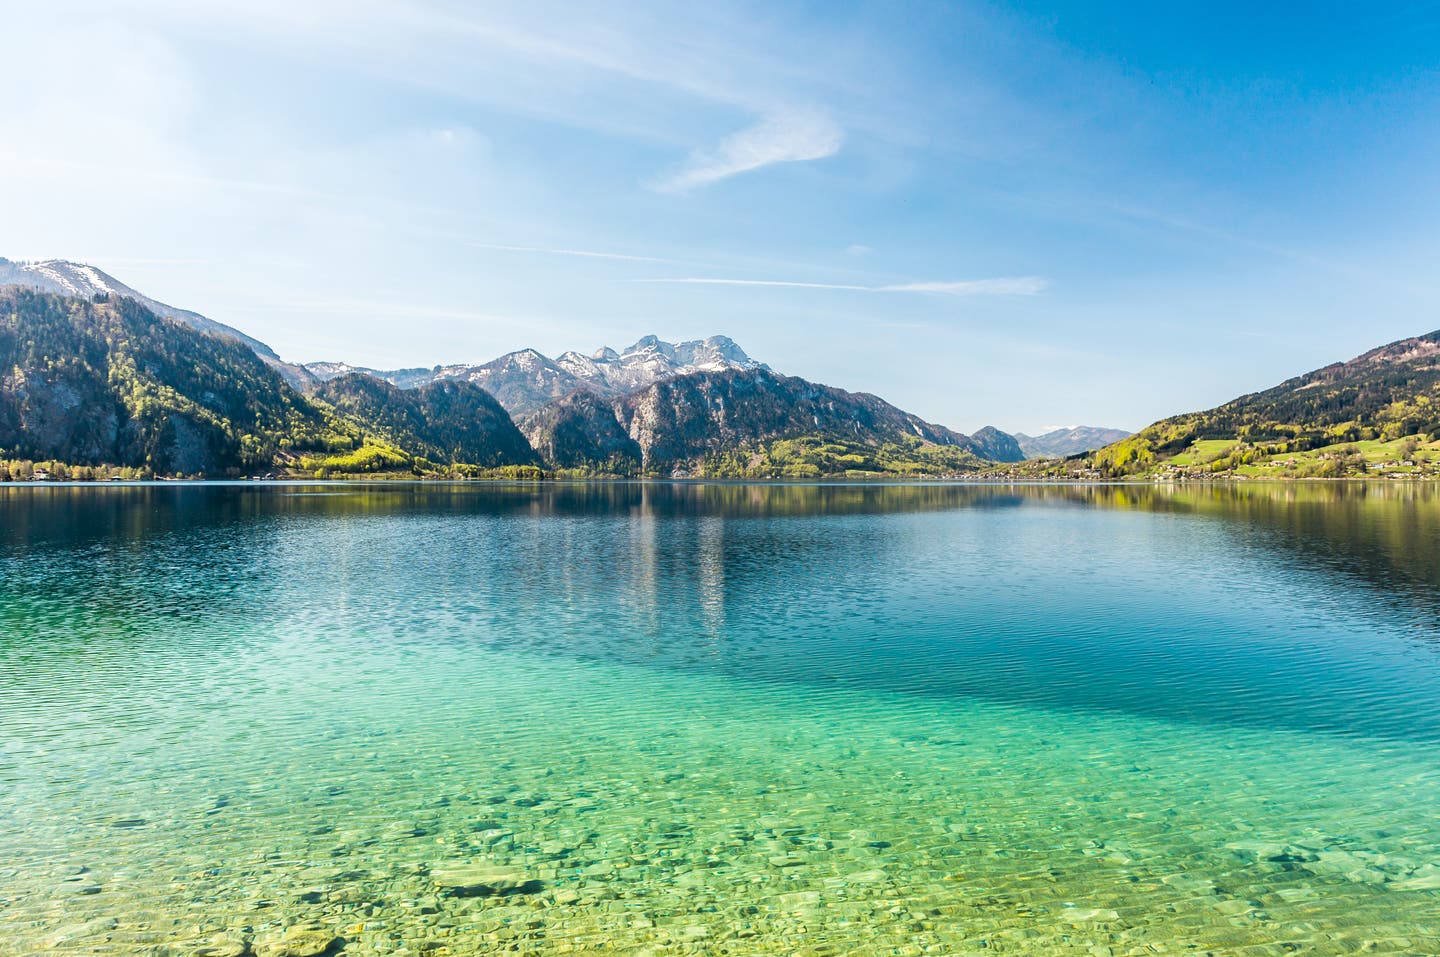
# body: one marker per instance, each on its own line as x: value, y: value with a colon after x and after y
x: 734, y: 481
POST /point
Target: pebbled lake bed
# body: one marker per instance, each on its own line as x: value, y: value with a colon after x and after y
x: 688, y: 718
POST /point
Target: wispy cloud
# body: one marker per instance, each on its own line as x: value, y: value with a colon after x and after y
x: 583, y: 253
x: 787, y: 137
x: 1002, y: 286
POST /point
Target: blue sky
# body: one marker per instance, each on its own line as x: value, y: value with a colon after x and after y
x: 1026, y: 214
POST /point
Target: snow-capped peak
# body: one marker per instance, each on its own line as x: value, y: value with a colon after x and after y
x: 523, y: 381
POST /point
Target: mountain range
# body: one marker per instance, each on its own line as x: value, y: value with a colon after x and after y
x: 96, y: 375
x: 101, y: 375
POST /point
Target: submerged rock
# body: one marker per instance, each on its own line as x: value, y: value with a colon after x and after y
x: 466, y: 880
x: 495, y: 835
x: 301, y: 942
x: 407, y: 829
x: 789, y: 860
x: 866, y: 877
x: 222, y: 947
x: 1422, y: 879
x: 1189, y: 883
x: 99, y: 927
x: 1269, y: 852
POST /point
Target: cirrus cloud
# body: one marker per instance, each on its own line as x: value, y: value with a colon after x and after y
x: 785, y: 137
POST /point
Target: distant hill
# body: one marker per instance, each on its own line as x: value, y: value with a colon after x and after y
x: 1073, y: 440
x: 1378, y: 410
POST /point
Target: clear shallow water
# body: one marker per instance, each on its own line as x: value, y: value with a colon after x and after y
x: 706, y: 719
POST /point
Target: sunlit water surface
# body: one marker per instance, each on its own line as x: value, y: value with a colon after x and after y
x: 719, y: 719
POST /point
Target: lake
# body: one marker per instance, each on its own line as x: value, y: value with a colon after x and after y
x: 664, y: 718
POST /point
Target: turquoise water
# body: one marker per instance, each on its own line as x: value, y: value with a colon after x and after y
x: 735, y: 719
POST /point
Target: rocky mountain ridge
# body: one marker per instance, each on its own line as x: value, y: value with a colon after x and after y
x: 526, y: 379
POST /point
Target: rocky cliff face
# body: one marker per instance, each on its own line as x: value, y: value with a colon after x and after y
x: 681, y: 420
x: 678, y: 422
x: 583, y: 431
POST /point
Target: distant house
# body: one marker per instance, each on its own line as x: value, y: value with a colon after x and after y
x: 40, y: 475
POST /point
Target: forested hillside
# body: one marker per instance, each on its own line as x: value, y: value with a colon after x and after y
x: 105, y: 382
x: 1380, y: 410
x: 108, y: 382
